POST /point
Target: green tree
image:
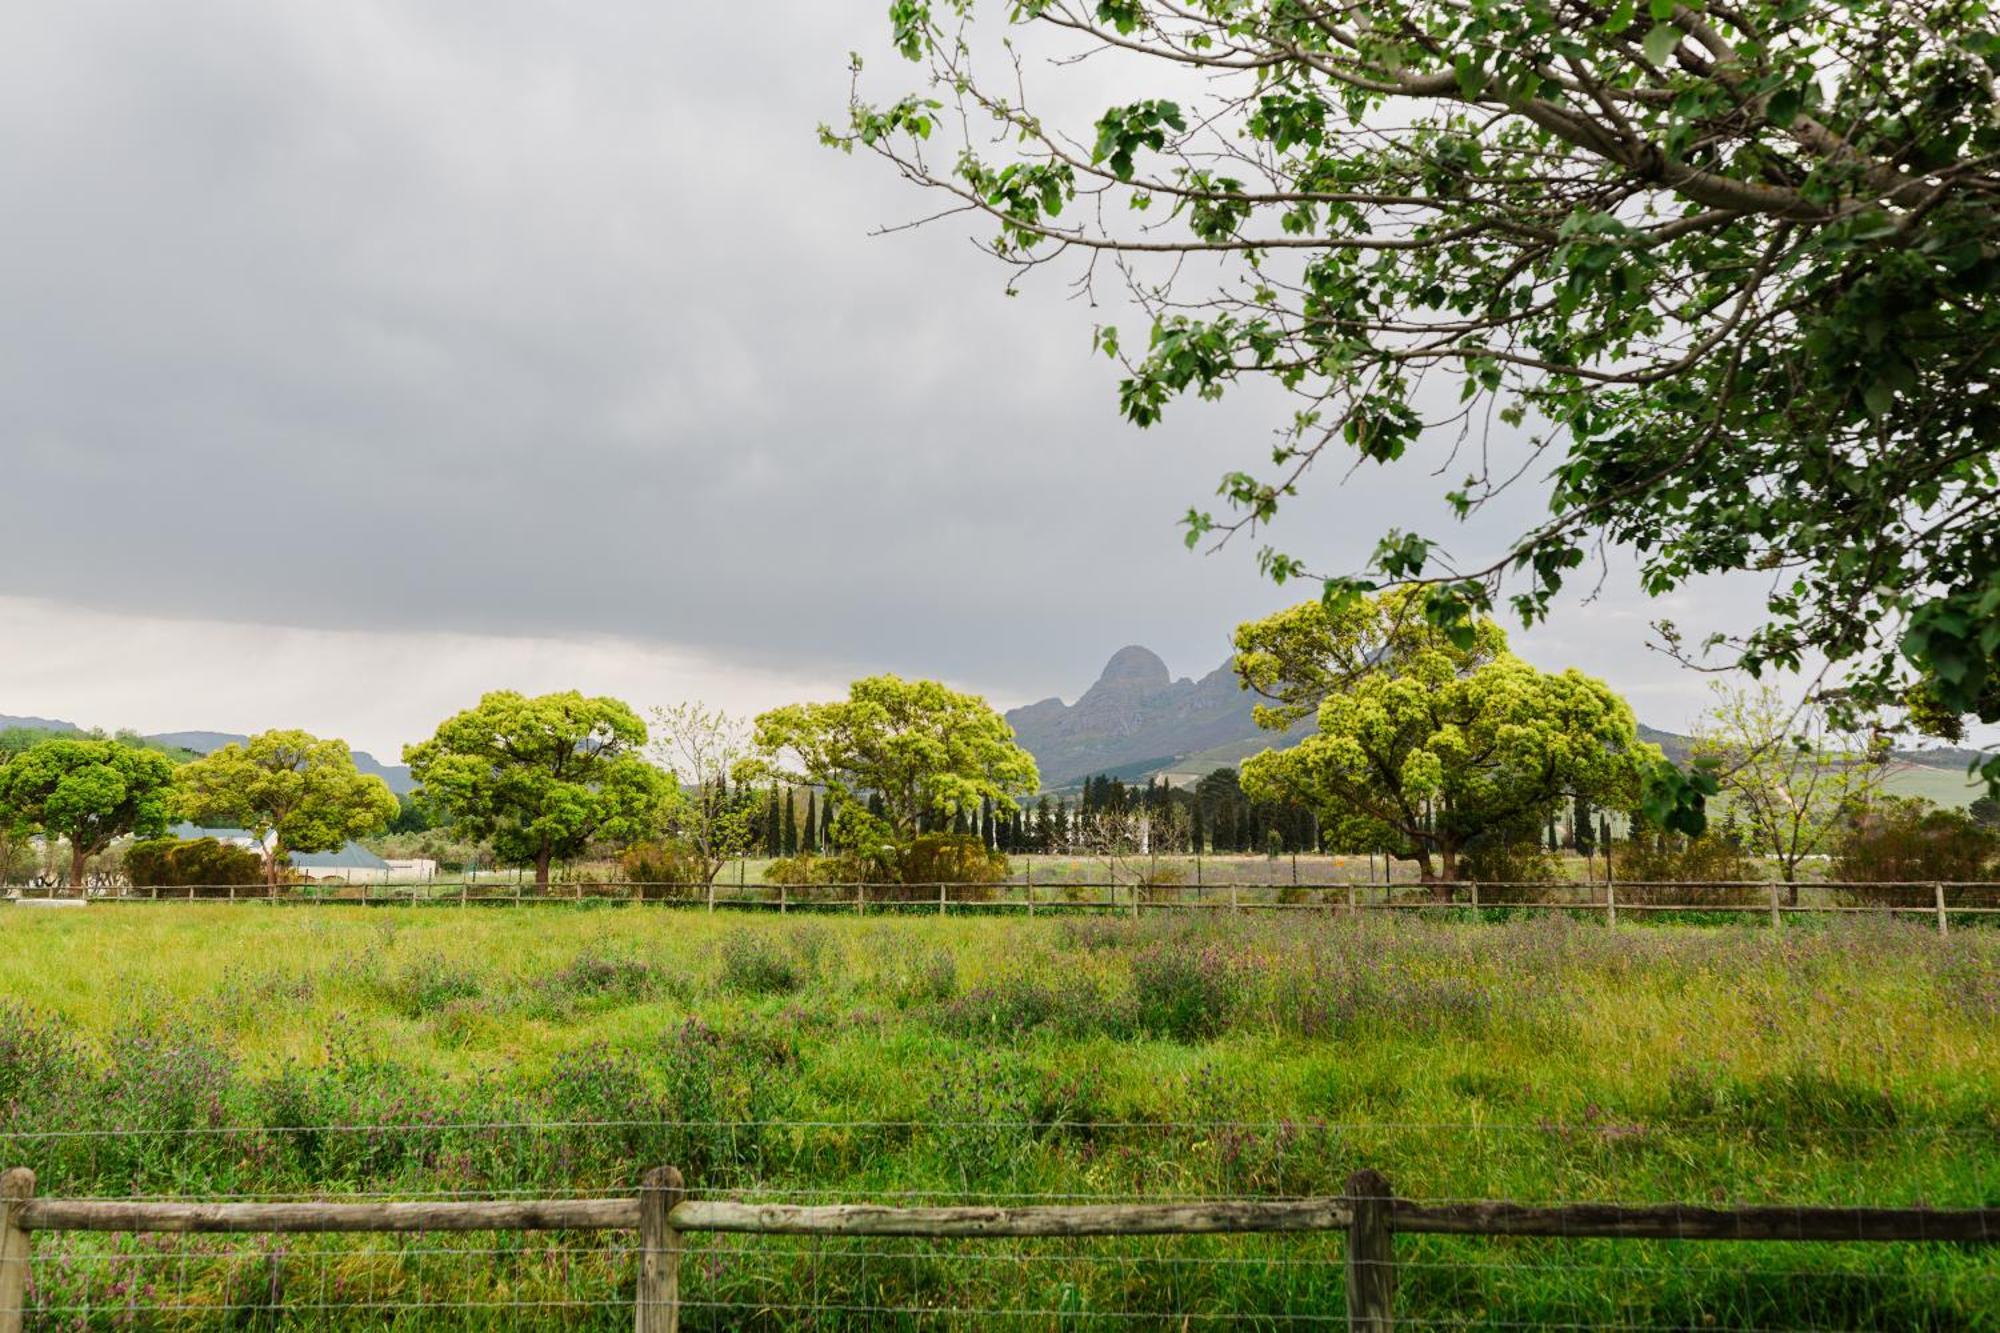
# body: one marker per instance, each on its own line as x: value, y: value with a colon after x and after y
x: 88, y: 792
x: 916, y: 748
x: 1985, y: 812
x: 1626, y: 231
x: 1447, y: 740
x: 1792, y: 777
x: 699, y: 746
x: 294, y: 791
x: 1899, y: 839
x: 542, y: 777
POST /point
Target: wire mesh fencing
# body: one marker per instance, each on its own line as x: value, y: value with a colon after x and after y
x: 1939, y: 902
x: 1614, y: 1239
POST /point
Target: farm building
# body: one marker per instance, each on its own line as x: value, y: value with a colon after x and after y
x: 352, y: 864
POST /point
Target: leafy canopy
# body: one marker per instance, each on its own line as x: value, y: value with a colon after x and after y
x: 1428, y: 747
x: 922, y: 748
x: 1792, y: 778
x: 302, y: 792
x: 542, y: 777
x: 1730, y: 270
x: 87, y: 791
x: 699, y: 747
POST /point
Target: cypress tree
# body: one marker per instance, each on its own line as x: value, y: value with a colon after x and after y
x: 791, y: 823
x: 811, y: 831
x: 773, y: 833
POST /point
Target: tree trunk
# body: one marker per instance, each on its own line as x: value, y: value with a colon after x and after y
x: 272, y: 857
x: 542, y: 872
x: 1443, y: 890
x: 78, y: 854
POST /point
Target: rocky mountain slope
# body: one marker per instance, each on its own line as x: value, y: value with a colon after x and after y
x: 1137, y: 720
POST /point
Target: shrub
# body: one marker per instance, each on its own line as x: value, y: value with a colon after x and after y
x: 951, y: 858
x: 201, y: 864
x: 670, y: 870
x: 1512, y: 861
x: 819, y: 875
x: 1907, y: 838
x: 901, y: 873
x: 1655, y: 856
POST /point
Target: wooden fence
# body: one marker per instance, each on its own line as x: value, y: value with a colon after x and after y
x: 1938, y: 901
x: 660, y: 1211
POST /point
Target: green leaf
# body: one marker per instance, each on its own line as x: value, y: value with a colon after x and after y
x: 1660, y: 43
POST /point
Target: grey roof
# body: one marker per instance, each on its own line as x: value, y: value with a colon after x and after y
x: 189, y: 832
x: 351, y: 857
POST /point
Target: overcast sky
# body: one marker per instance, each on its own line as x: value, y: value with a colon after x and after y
x: 358, y: 357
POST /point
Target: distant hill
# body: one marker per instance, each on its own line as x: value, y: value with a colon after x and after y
x: 204, y: 742
x: 10, y: 723
x: 1138, y: 720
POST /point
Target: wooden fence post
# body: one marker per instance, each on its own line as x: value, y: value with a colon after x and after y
x: 17, y: 1186
x: 940, y: 899
x: 1351, y: 909
x: 1939, y: 888
x: 1610, y: 903
x: 1233, y: 906
x: 1028, y: 881
x: 711, y: 894
x: 658, y: 1307
x: 1475, y: 895
x: 1371, y: 1255
x: 860, y: 899
x: 1774, y: 904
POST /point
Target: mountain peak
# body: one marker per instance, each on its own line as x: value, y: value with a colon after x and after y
x: 1134, y: 665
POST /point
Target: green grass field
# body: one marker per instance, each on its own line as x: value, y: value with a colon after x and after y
x: 211, y: 1051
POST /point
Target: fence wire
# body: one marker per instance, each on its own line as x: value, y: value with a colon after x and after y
x: 535, y: 1280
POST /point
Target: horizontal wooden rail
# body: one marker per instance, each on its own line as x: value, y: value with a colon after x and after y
x: 1687, y: 1222
x: 1369, y: 1213
x: 1111, y: 1219
x: 1331, y: 1213
x: 450, y: 1215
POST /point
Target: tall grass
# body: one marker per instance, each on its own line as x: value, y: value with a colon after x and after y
x: 210, y: 1051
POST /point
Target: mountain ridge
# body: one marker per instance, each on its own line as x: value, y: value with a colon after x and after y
x: 1138, y: 720
x: 1138, y: 713
x: 397, y: 776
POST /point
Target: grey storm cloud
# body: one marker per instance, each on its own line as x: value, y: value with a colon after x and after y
x: 499, y: 317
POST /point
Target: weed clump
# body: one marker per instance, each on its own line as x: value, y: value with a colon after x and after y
x: 754, y: 964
